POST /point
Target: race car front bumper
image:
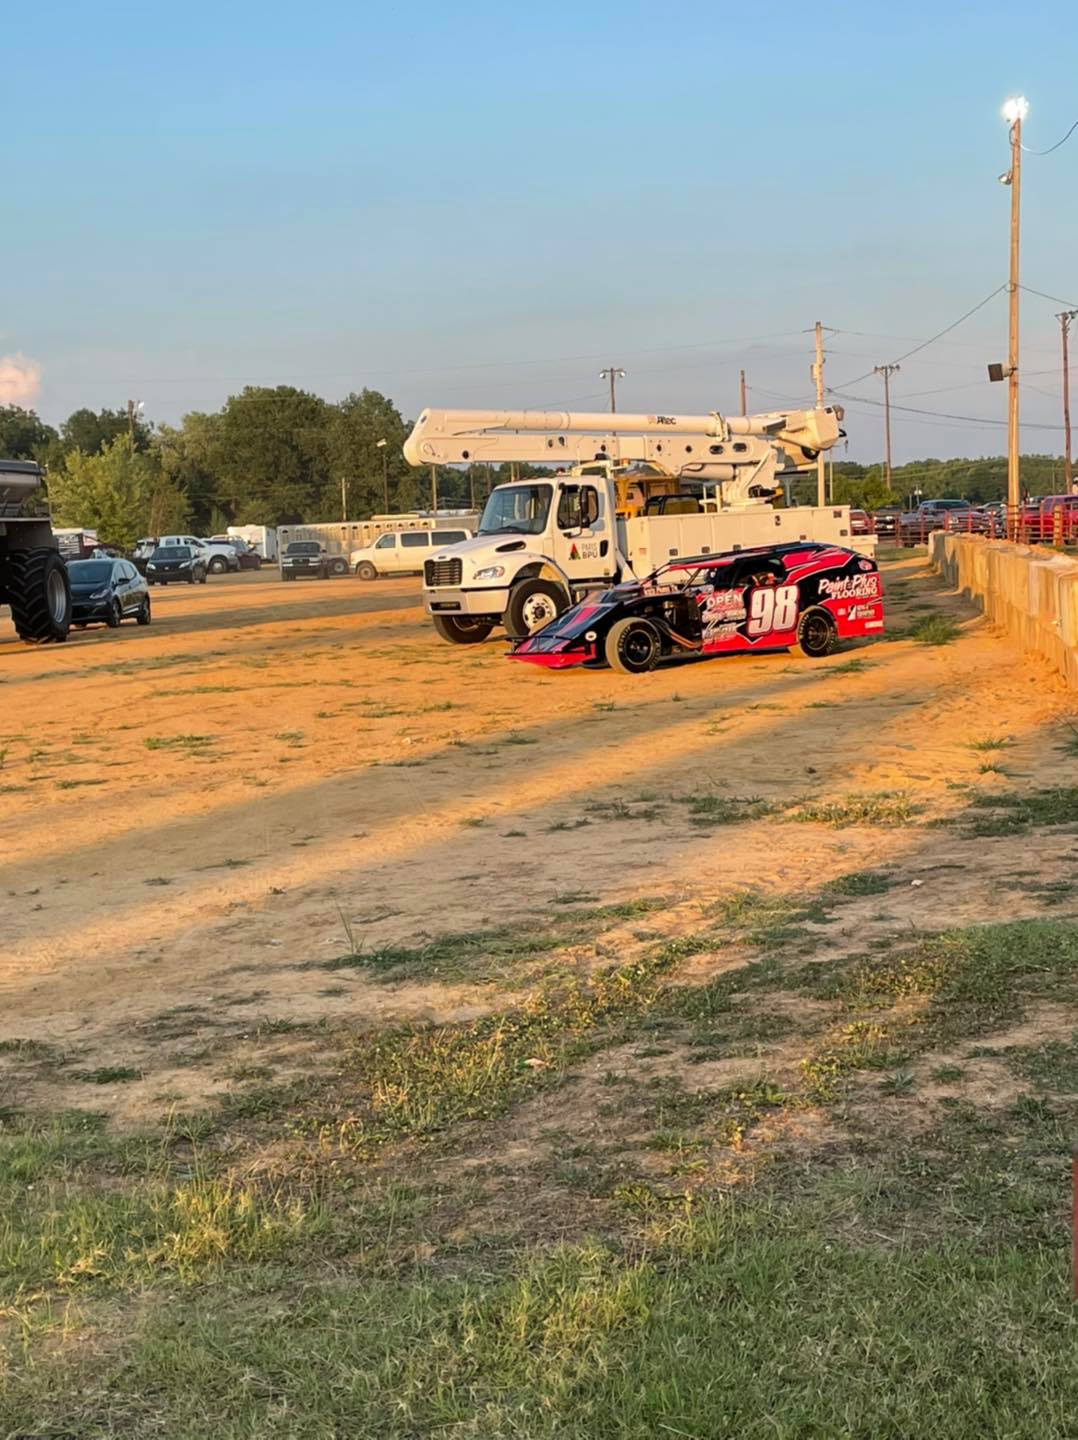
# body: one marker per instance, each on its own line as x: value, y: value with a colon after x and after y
x: 453, y: 600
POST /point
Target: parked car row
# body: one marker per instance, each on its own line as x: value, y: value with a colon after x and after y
x: 222, y: 553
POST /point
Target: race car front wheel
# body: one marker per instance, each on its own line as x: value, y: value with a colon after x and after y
x: 816, y: 633
x: 633, y: 646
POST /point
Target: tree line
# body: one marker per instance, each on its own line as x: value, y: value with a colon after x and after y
x: 277, y: 455
x: 270, y: 456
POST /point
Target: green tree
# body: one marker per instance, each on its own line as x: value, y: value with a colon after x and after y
x: 23, y: 436
x: 357, y: 424
x: 190, y: 459
x: 89, y: 430
x: 272, y: 457
x: 120, y: 492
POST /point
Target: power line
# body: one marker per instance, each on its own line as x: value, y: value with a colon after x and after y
x: 845, y: 385
x: 939, y: 414
x: 1070, y: 304
x: 1056, y: 146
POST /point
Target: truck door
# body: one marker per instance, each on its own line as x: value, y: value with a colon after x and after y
x: 582, y: 533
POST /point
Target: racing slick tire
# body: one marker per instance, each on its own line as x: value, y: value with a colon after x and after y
x: 35, y: 585
x: 366, y: 571
x: 462, y: 631
x: 633, y: 646
x: 532, y: 605
x: 816, y: 633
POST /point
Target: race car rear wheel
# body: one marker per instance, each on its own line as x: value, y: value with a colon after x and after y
x: 633, y: 646
x: 463, y: 631
x: 533, y: 604
x: 816, y: 633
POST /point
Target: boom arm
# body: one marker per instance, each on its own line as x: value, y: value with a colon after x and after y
x: 739, y: 451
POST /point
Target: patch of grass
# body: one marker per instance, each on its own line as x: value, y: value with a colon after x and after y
x: 860, y: 882
x: 707, y: 810
x: 560, y: 825
x: 886, y: 808
x: 77, y: 784
x: 1013, y: 813
x: 106, y: 1075
x: 991, y: 742
x: 188, y: 743
x: 515, y: 737
x: 849, y: 667
x: 934, y: 630
x: 947, y: 1074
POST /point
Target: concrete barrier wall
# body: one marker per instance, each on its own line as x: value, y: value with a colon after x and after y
x: 1030, y: 592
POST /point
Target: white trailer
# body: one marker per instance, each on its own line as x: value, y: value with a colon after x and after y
x: 640, y: 490
x: 262, y: 538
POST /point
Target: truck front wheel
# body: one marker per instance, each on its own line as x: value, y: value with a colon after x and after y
x: 462, y: 631
x: 38, y: 591
x: 533, y: 604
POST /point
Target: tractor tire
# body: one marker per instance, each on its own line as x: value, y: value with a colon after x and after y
x: 633, y: 646
x: 532, y: 605
x: 463, y: 631
x: 816, y: 633
x: 143, y: 615
x: 36, y: 587
x: 366, y: 571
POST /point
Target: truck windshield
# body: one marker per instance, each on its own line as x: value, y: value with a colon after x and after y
x: 519, y: 508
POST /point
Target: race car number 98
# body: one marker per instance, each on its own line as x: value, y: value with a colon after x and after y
x: 772, y: 610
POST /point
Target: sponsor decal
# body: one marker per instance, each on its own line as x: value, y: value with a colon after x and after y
x: 851, y: 587
x: 662, y: 419
x: 864, y: 564
x: 586, y: 550
x: 722, y: 605
x: 862, y: 612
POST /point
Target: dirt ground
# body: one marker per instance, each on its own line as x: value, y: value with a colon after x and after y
x: 194, y: 818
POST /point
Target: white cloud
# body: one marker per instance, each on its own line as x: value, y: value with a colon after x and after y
x: 20, y: 380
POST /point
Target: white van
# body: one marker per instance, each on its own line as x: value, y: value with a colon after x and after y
x: 400, y: 552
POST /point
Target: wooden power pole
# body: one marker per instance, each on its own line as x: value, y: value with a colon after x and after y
x: 1014, y: 478
x: 742, y: 394
x: 887, y: 371
x: 817, y: 375
x: 1065, y: 317
x: 613, y: 374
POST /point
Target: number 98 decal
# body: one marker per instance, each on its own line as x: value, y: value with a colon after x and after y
x: 772, y: 610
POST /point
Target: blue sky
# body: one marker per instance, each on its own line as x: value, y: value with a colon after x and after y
x: 479, y: 206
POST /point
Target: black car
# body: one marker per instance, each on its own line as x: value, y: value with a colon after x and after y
x: 305, y: 558
x: 107, y: 591
x: 175, y: 563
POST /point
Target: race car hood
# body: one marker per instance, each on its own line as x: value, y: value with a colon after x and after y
x: 567, y: 634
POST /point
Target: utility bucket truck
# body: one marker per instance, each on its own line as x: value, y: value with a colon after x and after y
x: 639, y: 491
x: 33, y: 576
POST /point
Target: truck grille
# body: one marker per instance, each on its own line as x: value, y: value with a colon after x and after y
x: 442, y: 572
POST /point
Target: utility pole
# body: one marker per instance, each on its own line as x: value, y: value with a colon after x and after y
x: 741, y: 393
x: 344, y: 500
x: 887, y: 371
x: 613, y: 374
x: 817, y: 375
x: 1065, y: 317
x: 1015, y: 111
x: 434, y: 489
x: 133, y: 408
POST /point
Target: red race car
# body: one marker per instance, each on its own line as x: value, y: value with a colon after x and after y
x: 806, y: 594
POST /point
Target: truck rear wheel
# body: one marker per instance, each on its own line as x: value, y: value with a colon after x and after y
x: 633, y: 646
x: 533, y: 604
x: 816, y: 633
x: 464, y: 630
x: 39, y: 593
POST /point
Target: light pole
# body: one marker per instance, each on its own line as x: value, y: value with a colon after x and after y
x: 1015, y: 111
x: 134, y: 409
x: 381, y: 445
x: 613, y: 374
